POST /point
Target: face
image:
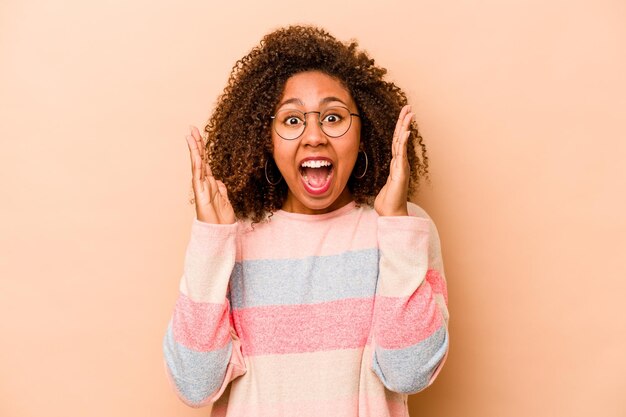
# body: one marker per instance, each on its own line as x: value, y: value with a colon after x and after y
x: 316, y: 166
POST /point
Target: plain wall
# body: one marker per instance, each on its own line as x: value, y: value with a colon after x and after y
x: 521, y: 104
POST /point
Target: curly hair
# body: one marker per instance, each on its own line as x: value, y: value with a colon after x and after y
x: 239, y: 131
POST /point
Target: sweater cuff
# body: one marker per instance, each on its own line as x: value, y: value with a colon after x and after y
x: 403, y: 224
x: 208, y: 235
x: 213, y: 229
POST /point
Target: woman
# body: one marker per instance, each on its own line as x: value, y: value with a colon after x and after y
x: 311, y: 286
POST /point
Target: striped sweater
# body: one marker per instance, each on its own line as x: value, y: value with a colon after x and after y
x: 341, y: 314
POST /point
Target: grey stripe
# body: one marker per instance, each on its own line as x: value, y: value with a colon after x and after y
x: 308, y: 280
x: 197, y: 375
x: 408, y: 370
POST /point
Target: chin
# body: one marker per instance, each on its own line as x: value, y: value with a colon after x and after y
x: 325, y: 203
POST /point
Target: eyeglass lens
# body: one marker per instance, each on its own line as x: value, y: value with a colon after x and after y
x: 290, y: 124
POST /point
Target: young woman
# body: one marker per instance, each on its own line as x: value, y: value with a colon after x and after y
x: 311, y: 287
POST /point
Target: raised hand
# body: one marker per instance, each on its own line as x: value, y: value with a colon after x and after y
x: 210, y: 195
x: 392, y: 198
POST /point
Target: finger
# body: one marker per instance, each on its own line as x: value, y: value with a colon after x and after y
x: 406, y: 121
x: 201, y: 149
x: 213, y: 188
x: 397, y: 134
x: 402, y: 136
x: 399, y: 161
x: 207, y: 214
x: 402, y: 154
x: 223, y: 192
x: 198, y: 137
x: 191, y: 144
x: 403, y: 112
x: 406, y: 130
x: 194, y: 156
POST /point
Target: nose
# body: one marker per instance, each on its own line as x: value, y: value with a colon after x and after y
x: 313, y: 134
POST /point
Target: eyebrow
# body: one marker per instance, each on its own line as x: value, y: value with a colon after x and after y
x: 291, y: 100
x: 331, y: 99
x: 325, y: 100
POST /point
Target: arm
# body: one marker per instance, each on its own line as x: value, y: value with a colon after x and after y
x: 410, y: 335
x: 202, y: 351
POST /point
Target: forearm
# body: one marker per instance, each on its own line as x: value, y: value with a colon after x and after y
x: 198, y: 345
x: 409, y: 330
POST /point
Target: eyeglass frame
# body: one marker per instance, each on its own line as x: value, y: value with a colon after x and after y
x: 319, y: 114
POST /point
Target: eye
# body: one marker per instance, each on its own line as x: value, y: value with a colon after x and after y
x: 335, y: 116
x: 332, y: 118
x: 291, y: 118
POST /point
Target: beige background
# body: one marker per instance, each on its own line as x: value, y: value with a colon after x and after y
x: 522, y: 105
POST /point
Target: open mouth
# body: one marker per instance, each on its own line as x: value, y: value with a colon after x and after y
x: 316, y: 175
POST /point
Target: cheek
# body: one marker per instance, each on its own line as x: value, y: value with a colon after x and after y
x: 283, y: 154
x: 353, y: 157
x: 352, y: 151
x: 277, y: 148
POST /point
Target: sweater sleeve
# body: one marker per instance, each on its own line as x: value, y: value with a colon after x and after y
x: 410, y: 326
x: 201, y: 349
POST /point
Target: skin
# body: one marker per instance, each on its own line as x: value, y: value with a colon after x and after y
x: 307, y: 92
x: 315, y: 91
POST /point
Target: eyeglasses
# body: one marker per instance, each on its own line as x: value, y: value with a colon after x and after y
x: 334, y: 121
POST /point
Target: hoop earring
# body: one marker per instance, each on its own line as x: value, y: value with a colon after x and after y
x: 267, y: 178
x: 358, y: 177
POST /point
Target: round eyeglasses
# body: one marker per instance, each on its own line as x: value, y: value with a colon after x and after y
x: 334, y: 121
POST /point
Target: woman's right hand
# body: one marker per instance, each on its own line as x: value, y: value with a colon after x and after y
x: 210, y: 195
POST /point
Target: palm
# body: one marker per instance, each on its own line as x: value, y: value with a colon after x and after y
x: 210, y: 195
x: 392, y: 198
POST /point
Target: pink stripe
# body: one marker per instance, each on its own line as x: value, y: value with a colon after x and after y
x: 364, y: 406
x: 342, y: 324
x: 201, y: 326
x: 404, y: 321
x: 347, y: 232
x: 436, y: 281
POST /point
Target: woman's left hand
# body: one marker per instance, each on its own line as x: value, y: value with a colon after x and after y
x: 392, y: 198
